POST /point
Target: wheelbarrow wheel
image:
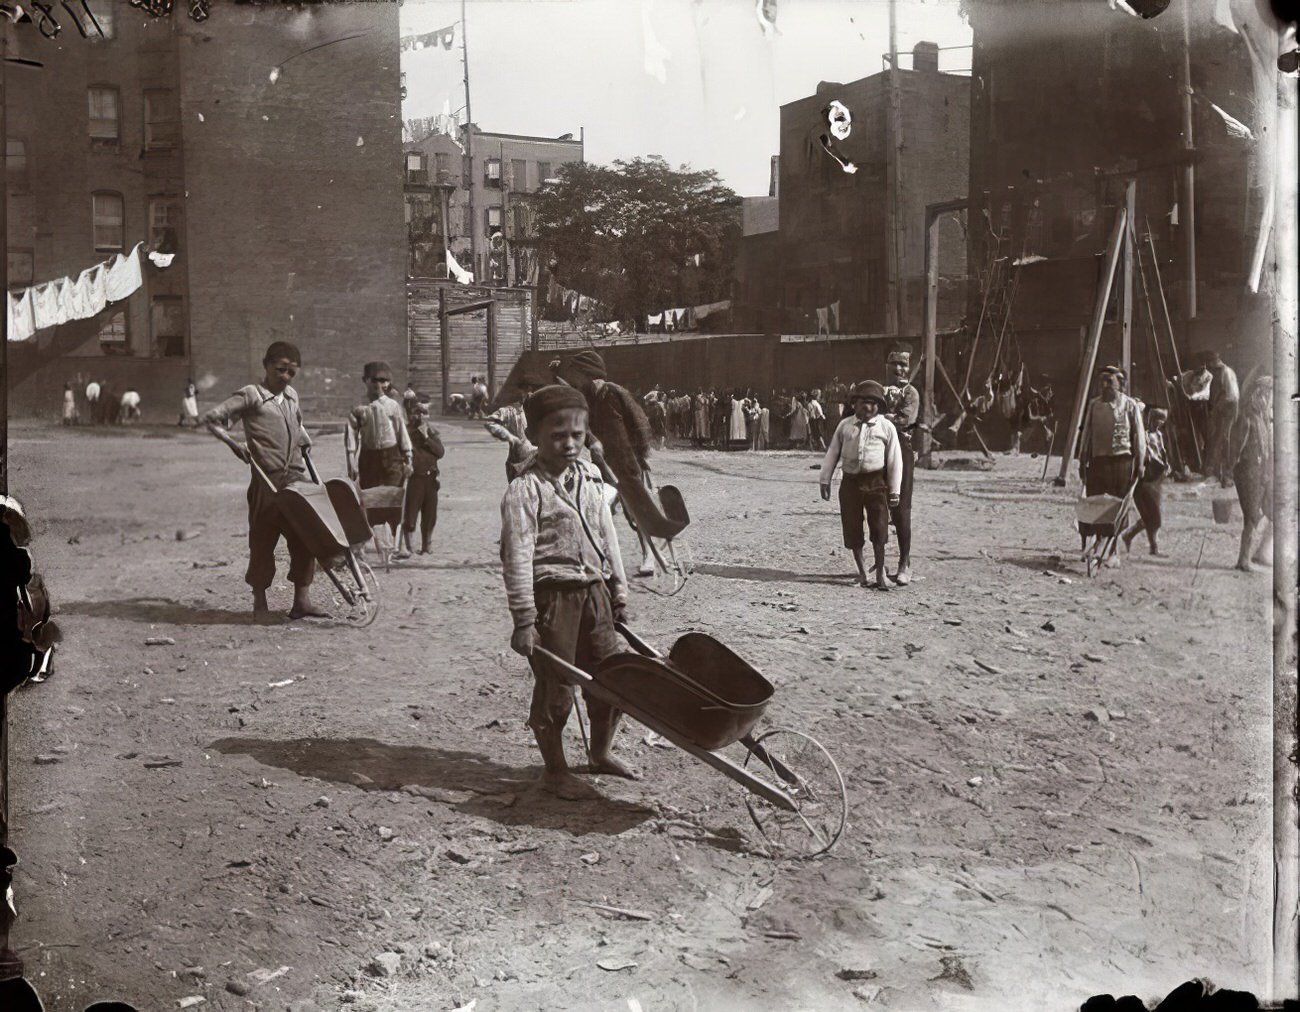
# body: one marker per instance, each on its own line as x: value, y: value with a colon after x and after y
x: 798, y: 765
x: 354, y: 592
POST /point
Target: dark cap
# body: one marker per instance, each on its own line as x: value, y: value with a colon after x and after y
x: 549, y: 400
x: 869, y: 390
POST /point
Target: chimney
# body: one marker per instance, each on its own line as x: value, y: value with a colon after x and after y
x: 925, y: 56
x: 774, y: 183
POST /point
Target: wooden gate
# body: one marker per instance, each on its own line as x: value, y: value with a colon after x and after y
x: 472, y: 347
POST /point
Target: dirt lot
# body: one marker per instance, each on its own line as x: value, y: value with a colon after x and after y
x: 187, y: 829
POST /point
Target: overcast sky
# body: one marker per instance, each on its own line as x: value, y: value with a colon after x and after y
x: 696, y: 81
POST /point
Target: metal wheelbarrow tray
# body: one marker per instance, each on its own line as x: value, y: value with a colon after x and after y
x: 702, y: 698
x: 703, y: 691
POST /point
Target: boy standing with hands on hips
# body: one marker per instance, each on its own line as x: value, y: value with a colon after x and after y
x: 565, y: 583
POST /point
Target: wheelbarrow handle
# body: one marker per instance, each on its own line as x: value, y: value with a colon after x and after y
x: 569, y: 674
x: 635, y: 641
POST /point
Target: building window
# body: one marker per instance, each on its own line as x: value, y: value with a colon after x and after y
x: 519, y: 175
x: 440, y: 167
x: 105, y: 17
x: 162, y: 124
x: 492, y: 172
x: 21, y: 269
x: 167, y: 320
x: 114, y: 338
x: 492, y: 219
x: 109, y: 222
x: 543, y: 172
x: 417, y: 174
x: 16, y: 163
x: 164, y: 223
x: 104, y: 124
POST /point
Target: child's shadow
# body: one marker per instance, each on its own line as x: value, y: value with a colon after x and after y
x: 466, y: 781
x: 153, y: 610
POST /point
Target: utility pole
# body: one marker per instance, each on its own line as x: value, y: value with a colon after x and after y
x: 1187, y: 200
x: 893, y: 245
x: 1126, y: 309
x: 469, y: 148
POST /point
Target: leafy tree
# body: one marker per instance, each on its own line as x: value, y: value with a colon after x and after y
x: 628, y: 235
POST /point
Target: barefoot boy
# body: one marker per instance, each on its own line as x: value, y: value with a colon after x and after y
x: 866, y: 446
x: 278, y: 442
x: 564, y: 578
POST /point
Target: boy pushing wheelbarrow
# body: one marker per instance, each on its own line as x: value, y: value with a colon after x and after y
x: 277, y: 442
x: 1112, y: 453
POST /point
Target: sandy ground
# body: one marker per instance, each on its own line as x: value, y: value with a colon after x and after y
x: 190, y: 826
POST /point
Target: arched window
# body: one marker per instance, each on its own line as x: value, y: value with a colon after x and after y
x: 109, y: 219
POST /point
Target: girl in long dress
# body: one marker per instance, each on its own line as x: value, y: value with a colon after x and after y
x: 799, y: 422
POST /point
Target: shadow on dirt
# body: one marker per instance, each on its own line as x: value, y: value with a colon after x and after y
x: 156, y: 610
x: 468, y: 782
x: 773, y: 575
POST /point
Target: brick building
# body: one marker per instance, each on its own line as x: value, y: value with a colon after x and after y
x: 506, y: 169
x: 280, y: 190
x: 833, y: 242
x: 1070, y: 101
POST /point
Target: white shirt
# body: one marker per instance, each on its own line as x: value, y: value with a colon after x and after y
x: 865, y: 446
x: 92, y: 391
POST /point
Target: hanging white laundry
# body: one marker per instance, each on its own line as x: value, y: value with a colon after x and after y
x: 22, y: 320
x: 822, y: 327
x: 123, y: 275
x: 96, y: 293
x: 835, y: 316
x: 45, y: 306
x: 67, y: 300
x: 162, y: 259
x: 654, y: 320
x: 458, y: 272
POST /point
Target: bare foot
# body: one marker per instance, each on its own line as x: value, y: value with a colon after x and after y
x: 567, y: 787
x: 1245, y: 566
x: 307, y: 610
x: 259, y: 603
x: 1262, y: 560
x: 882, y: 583
x: 903, y: 577
x: 611, y: 766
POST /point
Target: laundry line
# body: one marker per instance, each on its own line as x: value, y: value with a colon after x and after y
x: 57, y: 302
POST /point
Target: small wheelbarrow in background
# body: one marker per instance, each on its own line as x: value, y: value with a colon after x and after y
x: 1108, y: 515
x: 703, y: 698
x: 328, y: 518
x: 659, y: 526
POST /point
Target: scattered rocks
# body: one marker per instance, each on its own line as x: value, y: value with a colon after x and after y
x: 1099, y: 714
x: 451, y: 854
x: 1095, y: 658
x: 848, y: 973
x: 46, y: 760
x: 386, y: 964
x: 614, y: 964
x: 191, y: 1000
x: 385, y: 834
x: 1048, y: 626
x: 237, y: 987
x: 159, y: 641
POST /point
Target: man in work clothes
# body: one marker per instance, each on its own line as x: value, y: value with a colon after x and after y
x: 904, y: 407
x: 1224, y: 396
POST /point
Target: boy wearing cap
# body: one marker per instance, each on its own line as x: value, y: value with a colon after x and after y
x: 277, y: 440
x: 377, y: 444
x: 564, y: 577
x: 904, y: 408
x: 866, y: 446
